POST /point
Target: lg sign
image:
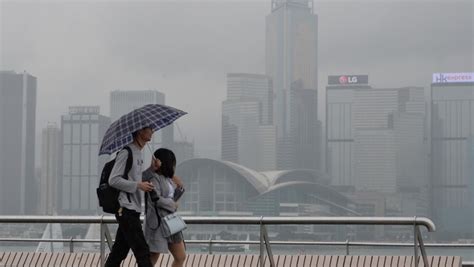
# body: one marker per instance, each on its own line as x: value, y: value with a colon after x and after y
x: 348, y: 79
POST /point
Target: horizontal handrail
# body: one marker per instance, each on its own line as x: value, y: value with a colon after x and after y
x: 250, y: 242
x: 422, y: 221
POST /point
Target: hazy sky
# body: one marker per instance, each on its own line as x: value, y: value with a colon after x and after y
x: 82, y: 50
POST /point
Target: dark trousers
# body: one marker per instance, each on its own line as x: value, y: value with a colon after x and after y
x: 129, y: 236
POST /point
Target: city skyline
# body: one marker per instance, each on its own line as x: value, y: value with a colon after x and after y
x: 346, y: 53
x: 276, y: 104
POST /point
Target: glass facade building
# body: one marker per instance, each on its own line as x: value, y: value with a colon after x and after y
x: 18, y: 187
x: 452, y: 130
x: 82, y: 132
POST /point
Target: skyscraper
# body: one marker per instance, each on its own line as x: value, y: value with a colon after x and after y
x: 376, y: 142
x: 291, y: 57
x: 247, y: 132
x: 82, y: 132
x: 122, y: 102
x: 452, y: 130
x: 17, y: 143
x: 375, y: 137
x: 50, y: 162
x: 306, y: 131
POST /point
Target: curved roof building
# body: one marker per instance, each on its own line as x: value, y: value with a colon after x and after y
x: 216, y: 187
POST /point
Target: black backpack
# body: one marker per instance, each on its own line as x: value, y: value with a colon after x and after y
x: 108, y: 196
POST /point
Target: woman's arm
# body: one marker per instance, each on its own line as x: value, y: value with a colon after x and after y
x: 163, y: 202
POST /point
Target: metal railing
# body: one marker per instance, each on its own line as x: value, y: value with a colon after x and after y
x: 264, y: 241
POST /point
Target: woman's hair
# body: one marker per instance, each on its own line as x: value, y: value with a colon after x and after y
x: 168, y: 161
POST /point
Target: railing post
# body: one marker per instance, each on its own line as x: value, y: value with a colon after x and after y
x: 347, y: 247
x: 71, y: 245
x: 102, y: 243
x: 262, y: 263
x: 267, y: 246
x: 422, y: 247
x: 415, y: 242
x: 210, y: 245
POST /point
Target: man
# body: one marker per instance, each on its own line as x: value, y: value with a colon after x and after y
x: 129, y: 233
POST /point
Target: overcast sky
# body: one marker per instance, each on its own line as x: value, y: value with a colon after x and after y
x: 80, y: 51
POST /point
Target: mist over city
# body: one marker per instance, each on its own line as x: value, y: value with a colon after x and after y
x: 294, y: 108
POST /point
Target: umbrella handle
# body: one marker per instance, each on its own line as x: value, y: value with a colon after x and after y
x: 151, y: 151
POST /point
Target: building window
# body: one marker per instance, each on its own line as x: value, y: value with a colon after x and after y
x: 75, y: 159
x: 66, y: 197
x: 85, y: 154
x: 94, y: 133
x: 94, y: 160
x: 84, y: 193
x: 75, y: 192
x: 85, y: 134
x: 67, y: 133
x: 76, y: 132
x: 67, y: 159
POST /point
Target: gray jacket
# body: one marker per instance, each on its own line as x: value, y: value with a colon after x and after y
x: 166, y: 205
x: 130, y: 183
x: 152, y: 227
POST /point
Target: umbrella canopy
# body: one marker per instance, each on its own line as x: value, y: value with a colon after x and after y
x: 120, y: 132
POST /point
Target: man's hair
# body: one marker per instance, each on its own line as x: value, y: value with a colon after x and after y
x: 168, y: 161
x: 134, y: 134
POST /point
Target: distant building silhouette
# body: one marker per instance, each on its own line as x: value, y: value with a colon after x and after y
x: 291, y: 59
x: 82, y: 132
x: 50, y: 163
x: 452, y: 133
x: 248, y: 136
x: 222, y: 188
x: 376, y: 142
x: 18, y: 187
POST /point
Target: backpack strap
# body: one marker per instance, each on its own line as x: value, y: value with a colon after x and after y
x: 128, y: 167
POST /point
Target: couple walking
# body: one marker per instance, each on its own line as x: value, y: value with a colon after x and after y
x: 129, y: 135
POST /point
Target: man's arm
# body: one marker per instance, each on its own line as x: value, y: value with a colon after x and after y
x: 116, y: 178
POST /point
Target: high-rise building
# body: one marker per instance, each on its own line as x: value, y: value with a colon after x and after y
x: 376, y: 138
x: 122, y: 102
x: 50, y: 162
x: 306, y: 131
x: 291, y: 57
x: 340, y: 134
x: 247, y: 133
x: 452, y: 130
x: 18, y: 189
x: 82, y: 132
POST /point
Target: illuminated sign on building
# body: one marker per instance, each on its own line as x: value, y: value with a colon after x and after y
x: 348, y: 79
x: 461, y: 77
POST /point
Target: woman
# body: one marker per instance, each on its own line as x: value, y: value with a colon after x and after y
x: 164, y: 183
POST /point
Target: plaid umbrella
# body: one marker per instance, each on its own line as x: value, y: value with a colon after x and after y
x: 120, y: 132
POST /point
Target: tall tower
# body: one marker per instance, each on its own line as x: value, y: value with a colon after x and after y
x: 17, y: 143
x: 50, y: 162
x: 291, y: 58
x: 82, y: 132
x: 452, y: 135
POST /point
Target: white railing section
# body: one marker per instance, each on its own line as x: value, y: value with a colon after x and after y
x: 262, y: 222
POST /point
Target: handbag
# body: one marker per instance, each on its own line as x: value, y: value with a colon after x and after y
x: 172, y: 224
